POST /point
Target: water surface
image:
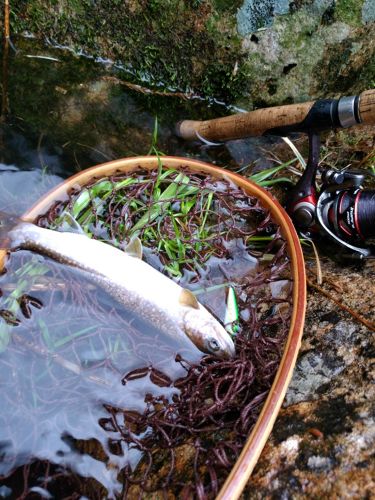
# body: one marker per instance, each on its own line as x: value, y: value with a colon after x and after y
x: 62, y: 374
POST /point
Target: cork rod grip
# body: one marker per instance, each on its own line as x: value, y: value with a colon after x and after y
x: 367, y: 107
x: 241, y: 125
x: 313, y: 115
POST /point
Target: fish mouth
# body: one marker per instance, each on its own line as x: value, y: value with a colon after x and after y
x: 201, y: 333
x: 229, y: 352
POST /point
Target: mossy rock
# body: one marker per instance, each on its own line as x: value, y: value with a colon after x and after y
x: 183, y: 44
x: 204, y: 46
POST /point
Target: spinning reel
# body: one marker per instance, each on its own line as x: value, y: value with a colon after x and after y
x: 341, y: 210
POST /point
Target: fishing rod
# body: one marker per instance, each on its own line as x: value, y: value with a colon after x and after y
x: 341, y: 209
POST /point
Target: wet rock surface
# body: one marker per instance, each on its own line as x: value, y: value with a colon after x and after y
x: 245, y: 51
x: 323, y: 441
x: 306, y: 49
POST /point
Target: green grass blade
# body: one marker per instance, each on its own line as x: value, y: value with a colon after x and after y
x: 259, y: 177
x: 206, y: 210
x: 4, y: 336
x: 74, y: 335
x: 295, y: 151
x: 45, y: 334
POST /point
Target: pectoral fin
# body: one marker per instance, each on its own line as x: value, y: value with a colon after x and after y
x: 134, y: 248
x: 187, y: 298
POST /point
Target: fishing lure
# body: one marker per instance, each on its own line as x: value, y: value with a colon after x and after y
x: 232, y: 316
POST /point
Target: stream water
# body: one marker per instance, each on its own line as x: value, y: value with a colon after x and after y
x: 60, y: 114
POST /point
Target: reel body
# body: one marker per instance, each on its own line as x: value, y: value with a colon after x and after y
x: 341, y: 211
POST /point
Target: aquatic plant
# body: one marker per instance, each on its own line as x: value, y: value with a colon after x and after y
x: 195, y: 437
x: 19, y: 301
x: 190, y: 436
x: 180, y: 214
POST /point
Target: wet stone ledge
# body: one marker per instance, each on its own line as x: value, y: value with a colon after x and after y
x: 323, y: 441
x: 253, y: 53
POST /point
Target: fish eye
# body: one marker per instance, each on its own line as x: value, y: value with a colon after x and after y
x: 213, y: 344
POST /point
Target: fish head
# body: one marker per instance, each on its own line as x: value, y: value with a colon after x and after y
x: 208, y: 334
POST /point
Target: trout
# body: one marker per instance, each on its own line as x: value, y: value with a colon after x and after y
x: 130, y: 281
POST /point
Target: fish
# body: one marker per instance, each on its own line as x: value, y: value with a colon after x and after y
x: 128, y: 279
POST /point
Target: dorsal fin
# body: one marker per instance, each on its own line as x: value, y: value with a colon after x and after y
x: 187, y: 298
x: 134, y: 248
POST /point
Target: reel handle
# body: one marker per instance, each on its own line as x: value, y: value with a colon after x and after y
x: 282, y: 120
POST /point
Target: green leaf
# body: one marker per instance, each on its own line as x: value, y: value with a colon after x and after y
x: 45, y: 334
x: 127, y: 182
x: 74, y: 335
x: 269, y: 172
x: 4, y: 336
x: 162, y: 204
x: 173, y: 270
x: 170, y: 192
x: 295, y: 151
x: 81, y: 203
x: 187, y: 205
x: 147, y: 218
x: 206, y: 210
x: 154, y: 139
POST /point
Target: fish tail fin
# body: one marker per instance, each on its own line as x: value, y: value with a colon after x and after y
x: 7, y: 223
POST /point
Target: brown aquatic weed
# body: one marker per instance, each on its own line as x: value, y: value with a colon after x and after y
x: 191, y: 436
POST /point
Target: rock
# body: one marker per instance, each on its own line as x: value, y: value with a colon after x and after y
x: 301, y: 55
x: 368, y: 11
x: 319, y: 463
x: 313, y: 370
x: 254, y: 15
x: 323, y: 439
x: 250, y: 52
